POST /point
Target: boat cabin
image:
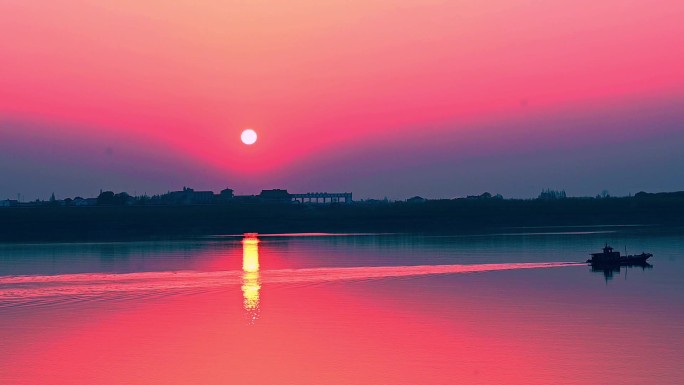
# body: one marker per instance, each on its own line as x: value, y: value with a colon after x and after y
x: 607, y: 253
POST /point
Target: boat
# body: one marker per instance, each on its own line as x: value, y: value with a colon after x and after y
x: 610, y: 257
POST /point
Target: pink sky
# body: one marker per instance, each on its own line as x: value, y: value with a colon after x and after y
x: 152, y: 95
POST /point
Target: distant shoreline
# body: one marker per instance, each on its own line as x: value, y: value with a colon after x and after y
x: 111, y: 222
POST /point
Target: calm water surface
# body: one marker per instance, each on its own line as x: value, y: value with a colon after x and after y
x: 507, y: 308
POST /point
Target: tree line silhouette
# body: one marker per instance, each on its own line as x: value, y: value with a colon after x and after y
x: 112, y: 219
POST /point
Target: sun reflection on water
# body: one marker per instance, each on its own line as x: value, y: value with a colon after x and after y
x: 250, y: 276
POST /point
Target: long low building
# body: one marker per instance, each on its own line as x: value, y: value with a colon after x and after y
x: 283, y: 196
x: 322, y: 197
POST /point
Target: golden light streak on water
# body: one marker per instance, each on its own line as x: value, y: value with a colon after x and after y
x: 250, y: 276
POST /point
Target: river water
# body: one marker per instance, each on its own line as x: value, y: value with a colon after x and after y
x: 515, y: 307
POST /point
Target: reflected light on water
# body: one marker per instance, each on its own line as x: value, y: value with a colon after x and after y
x: 382, y: 310
x: 250, y: 276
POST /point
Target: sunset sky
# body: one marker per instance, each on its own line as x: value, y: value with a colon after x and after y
x: 377, y: 97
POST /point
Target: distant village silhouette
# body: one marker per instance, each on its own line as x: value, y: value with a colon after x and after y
x: 189, y: 213
x: 188, y: 196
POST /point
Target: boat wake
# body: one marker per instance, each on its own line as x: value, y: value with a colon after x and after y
x: 18, y: 288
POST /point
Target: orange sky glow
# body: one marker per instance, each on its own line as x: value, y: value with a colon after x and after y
x: 320, y: 81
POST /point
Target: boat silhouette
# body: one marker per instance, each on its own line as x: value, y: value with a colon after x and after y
x: 613, y: 258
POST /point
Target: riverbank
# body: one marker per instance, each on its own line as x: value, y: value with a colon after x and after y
x: 45, y: 224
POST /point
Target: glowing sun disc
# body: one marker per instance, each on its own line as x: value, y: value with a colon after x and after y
x: 248, y: 137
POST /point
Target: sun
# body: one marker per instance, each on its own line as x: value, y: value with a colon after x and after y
x: 248, y: 137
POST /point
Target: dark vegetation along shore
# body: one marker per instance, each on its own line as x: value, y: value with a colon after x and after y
x: 124, y: 222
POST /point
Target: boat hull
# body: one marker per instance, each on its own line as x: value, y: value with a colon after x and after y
x: 621, y: 261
